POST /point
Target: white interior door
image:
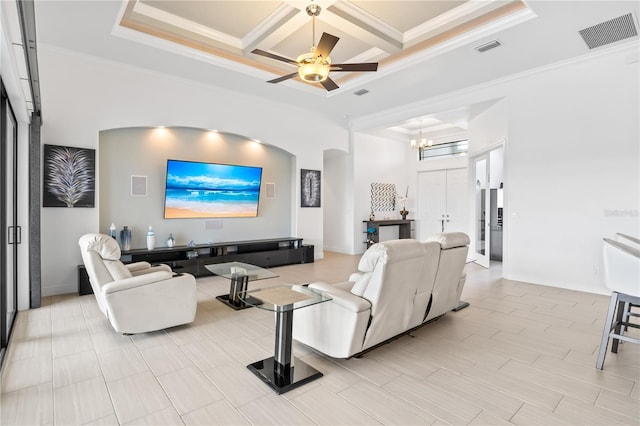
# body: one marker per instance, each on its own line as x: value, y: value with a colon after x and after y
x: 481, y: 231
x: 432, y: 196
x: 456, y: 205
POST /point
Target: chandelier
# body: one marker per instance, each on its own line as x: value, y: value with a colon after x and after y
x: 421, y: 143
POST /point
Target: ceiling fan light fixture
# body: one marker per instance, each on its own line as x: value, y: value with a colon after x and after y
x: 313, y: 9
x: 312, y: 69
x: 313, y: 73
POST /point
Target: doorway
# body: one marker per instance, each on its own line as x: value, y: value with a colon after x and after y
x: 488, y: 224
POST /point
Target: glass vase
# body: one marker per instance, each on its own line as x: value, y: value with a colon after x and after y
x: 125, y: 239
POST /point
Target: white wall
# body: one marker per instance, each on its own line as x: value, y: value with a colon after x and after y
x: 337, y: 201
x: 571, y: 163
x: 489, y: 128
x: 82, y: 96
x: 381, y: 161
x: 572, y: 156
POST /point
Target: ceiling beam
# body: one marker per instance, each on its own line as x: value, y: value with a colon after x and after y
x: 272, y: 30
x: 364, y: 26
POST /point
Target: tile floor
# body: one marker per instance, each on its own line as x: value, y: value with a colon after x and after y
x: 520, y: 354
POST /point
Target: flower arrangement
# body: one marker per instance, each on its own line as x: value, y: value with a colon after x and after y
x: 403, y: 201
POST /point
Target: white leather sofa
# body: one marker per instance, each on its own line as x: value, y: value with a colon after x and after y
x: 400, y: 285
x: 136, y: 297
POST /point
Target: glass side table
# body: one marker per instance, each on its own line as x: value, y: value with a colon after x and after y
x: 240, y: 274
x: 280, y: 371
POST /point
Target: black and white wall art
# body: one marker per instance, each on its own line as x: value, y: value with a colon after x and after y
x: 309, y: 188
x: 383, y: 197
x: 69, y: 177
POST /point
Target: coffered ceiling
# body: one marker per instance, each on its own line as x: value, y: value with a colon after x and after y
x: 425, y: 48
x: 393, y: 33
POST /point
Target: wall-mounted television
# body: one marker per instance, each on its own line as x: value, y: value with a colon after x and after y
x: 203, y: 190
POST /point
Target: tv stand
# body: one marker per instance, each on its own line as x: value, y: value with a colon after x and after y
x: 265, y: 253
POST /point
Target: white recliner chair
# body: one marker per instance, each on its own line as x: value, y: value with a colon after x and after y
x: 137, y: 297
x: 400, y: 285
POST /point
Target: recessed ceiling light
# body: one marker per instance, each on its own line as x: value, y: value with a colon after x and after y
x: 361, y: 92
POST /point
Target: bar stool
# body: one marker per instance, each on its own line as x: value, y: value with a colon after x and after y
x: 622, y: 277
x: 635, y: 243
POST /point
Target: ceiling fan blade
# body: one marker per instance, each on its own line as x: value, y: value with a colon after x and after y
x: 274, y: 56
x: 364, y: 66
x: 326, y: 45
x: 329, y: 84
x: 283, y: 78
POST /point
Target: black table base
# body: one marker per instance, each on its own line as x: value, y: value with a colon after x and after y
x: 226, y: 299
x: 289, y: 377
x: 237, y: 285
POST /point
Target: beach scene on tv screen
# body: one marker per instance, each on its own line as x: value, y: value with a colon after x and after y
x: 200, y: 190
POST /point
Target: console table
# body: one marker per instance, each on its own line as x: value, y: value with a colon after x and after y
x: 404, y: 229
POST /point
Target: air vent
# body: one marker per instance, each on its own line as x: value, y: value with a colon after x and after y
x: 488, y: 46
x: 361, y: 92
x: 610, y: 31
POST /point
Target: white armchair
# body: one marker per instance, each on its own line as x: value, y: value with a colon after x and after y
x: 137, y: 297
x: 400, y: 285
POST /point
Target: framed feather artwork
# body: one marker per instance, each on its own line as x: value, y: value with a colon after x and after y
x: 69, y: 177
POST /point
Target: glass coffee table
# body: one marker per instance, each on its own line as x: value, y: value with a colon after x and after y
x: 280, y: 371
x: 240, y: 274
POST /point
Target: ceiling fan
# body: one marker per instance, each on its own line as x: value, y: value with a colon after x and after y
x: 314, y: 66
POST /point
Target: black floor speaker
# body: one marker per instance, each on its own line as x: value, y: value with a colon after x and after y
x: 307, y: 253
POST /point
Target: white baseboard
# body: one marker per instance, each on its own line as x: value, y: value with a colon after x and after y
x: 54, y: 290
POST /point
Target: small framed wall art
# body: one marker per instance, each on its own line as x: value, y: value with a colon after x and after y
x: 309, y: 188
x: 69, y: 177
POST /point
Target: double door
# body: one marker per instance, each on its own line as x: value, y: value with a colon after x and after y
x: 442, y: 202
x: 10, y: 231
